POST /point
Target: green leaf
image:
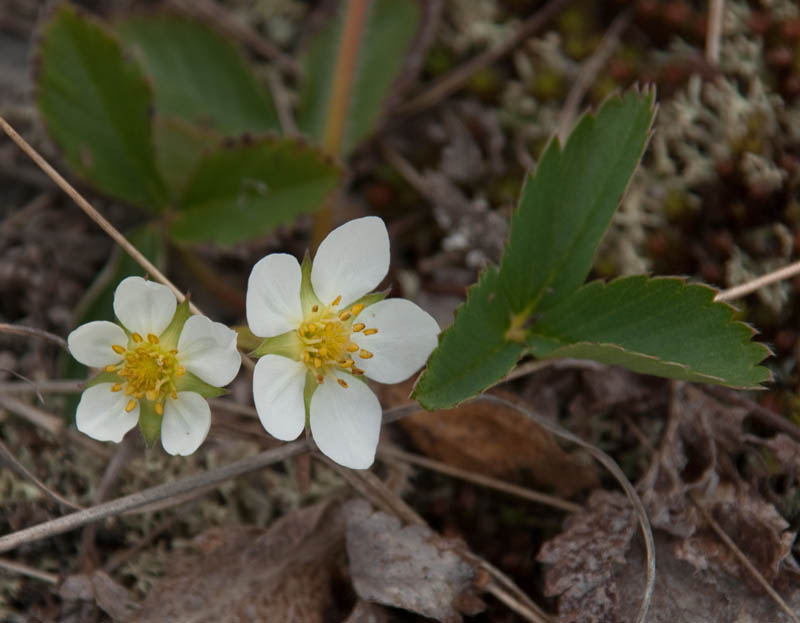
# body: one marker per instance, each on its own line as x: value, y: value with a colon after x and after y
x: 199, y: 75
x: 659, y: 326
x: 349, y: 68
x: 244, y: 189
x: 191, y: 383
x: 474, y: 352
x: 96, y: 104
x: 567, y: 204
x: 180, y: 145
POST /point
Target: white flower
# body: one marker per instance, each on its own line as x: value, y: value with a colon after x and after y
x: 159, y: 366
x: 324, y: 332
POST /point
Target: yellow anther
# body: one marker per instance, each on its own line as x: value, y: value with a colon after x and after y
x: 365, y: 354
x: 336, y: 301
x: 311, y: 327
x: 120, y: 350
x: 137, y: 338
x: 152, y: 338
x: 317, y: 362
x: 357, y: 371
x: 116, y: 387
x: 130, y: 406
x: 342, y: 382
x: 347, y: 363
x: 151, y: 394
x: 110, y: 368
x: 356, y: 309
x: 370, y: 331
x: 306, y: 357
x: 174, y: 395
x: 322, y: 351
x: 180, y: 371
x: 352, y: 347
x: 320, y: 379
x: 315, y: 308
x: 129, y: 389
x: 159, y: 408
x: 345, y: 315
x: 358, y: 327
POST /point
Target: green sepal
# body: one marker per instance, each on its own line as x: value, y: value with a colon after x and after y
x: 149, y: 422
x: 103, y: 377
x: 371, y: 298
x: 191, y: 383
x: 246, y: 340
x: 286, y: 345
x: 169, y: 338
x: 308, y: 392
x: 308, y: 297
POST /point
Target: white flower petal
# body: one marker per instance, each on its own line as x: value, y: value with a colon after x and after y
x: 185, y: 424
x: 273, y: 295
x: 278, y: 384
x: 144, y: 306
x: 101, y: 413
x: 406, y: 337
x: 351, y: 261
x: 208, y: 349
x: 346, y: 422
x: 91, y: 343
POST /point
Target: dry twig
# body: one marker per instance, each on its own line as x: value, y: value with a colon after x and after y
x: 714, y: 33
x: 744, y: 289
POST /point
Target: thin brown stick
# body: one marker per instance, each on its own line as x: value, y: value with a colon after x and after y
x: 154, y: 494
x: 478, y: 479
x: 66, y: 386
x: 749, y: 567
x: 716, y: 9
x: 92, y: 213
x: 588, y: 72
x: 50, y: 423
x: 101, y: 221
x: 33, y: 332
x: 16, y: 567
x: 458, y: 77
x: 609, y: 463
x: 16, y: 465
x: 749, y: 287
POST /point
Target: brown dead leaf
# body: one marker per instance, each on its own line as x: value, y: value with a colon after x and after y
x: 365, y: 612
x: 408, y: 567
x: 498, y: 441
x: 696, y: 461
x: 240, y: 574
x: 113, y: 598
x: 585, y: 555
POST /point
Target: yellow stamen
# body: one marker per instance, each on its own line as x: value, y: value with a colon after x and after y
x: 345, y: 315
x: 365, y: 354
x: 174, y: 395
x: 317, y: 362
x: 116, y: 387
x: 320, y: 379
x: 137, y: 338
x: 370, y: 331
x: 358, y: 327
x: 152, y: 338
x: 130, y: 406
x: 129, y: 390
x: 352, y: 347
x: 356, y: 309
x: 110, y: 368
x: 357, y: 371
x: 342, y: 382
x: 336, y: 301
x: 315, y: 308
x: 347, y: 363
x: 322, y: 351
x: 311, y: 327
x: 306, y: 357
x: 120, y: 350
x: 159, y: 408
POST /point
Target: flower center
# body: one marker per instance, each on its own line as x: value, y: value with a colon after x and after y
x: 148, y: 370
x: 325, y: 337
